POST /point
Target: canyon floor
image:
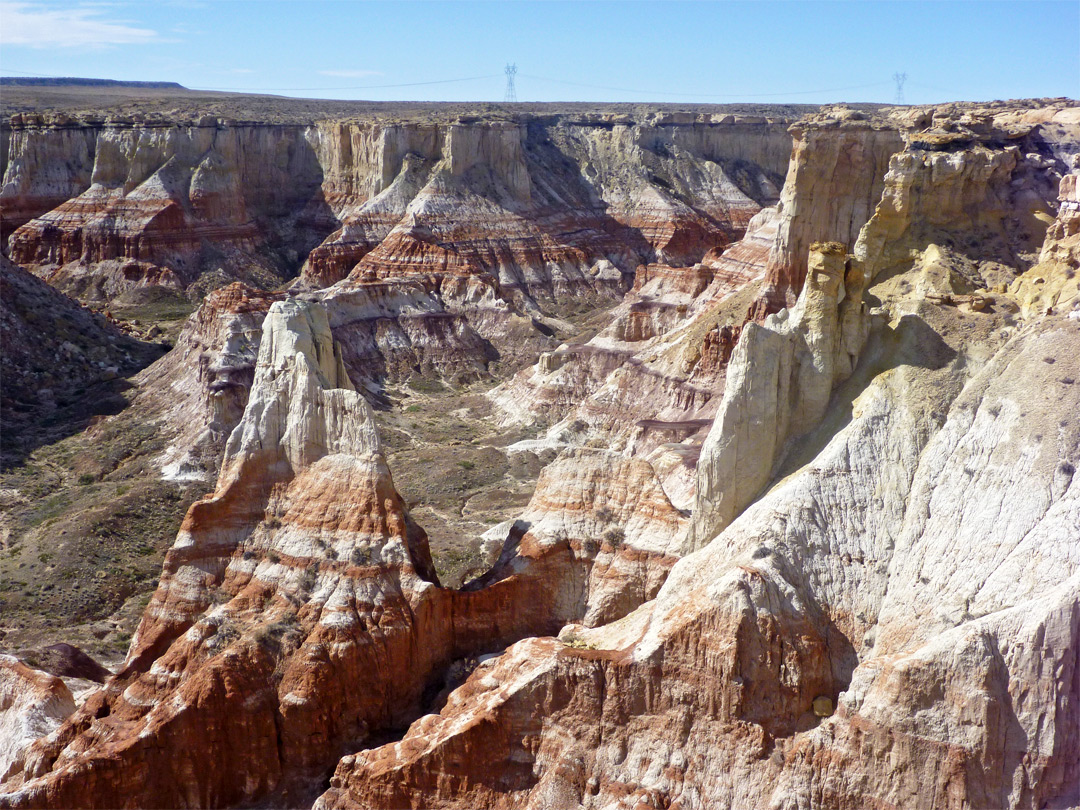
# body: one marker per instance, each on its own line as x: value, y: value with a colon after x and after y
x: 538, y: 456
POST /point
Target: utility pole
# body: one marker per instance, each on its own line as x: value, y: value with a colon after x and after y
x: 900, y: 78
x: 511, y: 93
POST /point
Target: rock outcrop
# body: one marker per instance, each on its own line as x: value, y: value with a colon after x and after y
x: 718, y: 692
x: 257, y: 605
x: 840, y: 157
x: 299, y: 612
x: 779, y: 383
x: 819, y: 557
x: 835, y: 644
x: 32, y: 705
x: 175, y: 206
x: 535, y: 204
x: 1054, y: 283
x: 197, y: 392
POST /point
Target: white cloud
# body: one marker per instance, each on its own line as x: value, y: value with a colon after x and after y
x: 351, y: 74
x: 37, y: 27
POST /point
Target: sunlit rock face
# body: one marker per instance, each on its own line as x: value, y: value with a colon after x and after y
x: 824, y: 556
x: 300, y: 570
x: 299, y: 612
x: 103, y: 207
x: 871, y: 623
x: 32, y: 705
x: 198, y: 391
x: 780, y: 379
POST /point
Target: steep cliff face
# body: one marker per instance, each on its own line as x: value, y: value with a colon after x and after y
x: 833, y: 185
x: 41, y: 173
x: 501, y: 228
x: 299, y: 612
x: 197, y: 392
x: 816, y: 653
x: 32, y: 705
x: 867, y: 631
x: 823, y: 558
x: 537, y: 203
x: 103, y: 207
x: 779, y: 383
x: 1054, y: 283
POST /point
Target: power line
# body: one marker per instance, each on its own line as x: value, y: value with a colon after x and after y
x: 900, y: 78
x: 704, y: 95
x: 511, y: 91
x: 356, y: 87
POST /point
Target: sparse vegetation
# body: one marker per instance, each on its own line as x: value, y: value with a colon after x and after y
x: 89, y: 507
x: 575, y: 641
x: 360, y: 556
x: 614, y: 537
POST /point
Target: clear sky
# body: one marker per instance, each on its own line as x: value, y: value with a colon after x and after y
x: 805, y: 51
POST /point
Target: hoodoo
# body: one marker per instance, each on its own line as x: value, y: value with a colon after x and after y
x: 610, y: 457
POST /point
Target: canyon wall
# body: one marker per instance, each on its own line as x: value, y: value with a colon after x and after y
x: 871, y: 628
x: 113, y: 203
x: 806, y: 556
x: 142, y: 203
x: 475, y: 237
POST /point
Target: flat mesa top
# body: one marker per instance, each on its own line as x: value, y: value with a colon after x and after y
x: 183, y: 103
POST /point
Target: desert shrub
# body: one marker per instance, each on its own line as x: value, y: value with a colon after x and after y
x: 310, y: 577
x: 614, y: 537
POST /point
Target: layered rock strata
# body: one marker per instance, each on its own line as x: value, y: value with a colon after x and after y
x: 258, y: 605
x: 537, y: 203
x: 197, y: 392
x: 873, y: 628
x: 877, y: 608
x: 779, y: 383
x: 839, y: 157
x: 298, y: 612
x: 827, y: 648
x: 157, y: 205
x: 32, y: 705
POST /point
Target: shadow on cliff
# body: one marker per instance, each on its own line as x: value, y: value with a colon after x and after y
x: 912, y: 342
x: 26, y: 426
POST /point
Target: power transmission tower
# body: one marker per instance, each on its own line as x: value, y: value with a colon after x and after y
x: 900, y: 78
x: 511, y: 93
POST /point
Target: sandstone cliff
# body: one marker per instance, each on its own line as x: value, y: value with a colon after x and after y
x: 197, y: 392
x: 779, y: 384
x: 823, y: 557
x: 298, y: 612
x: 156, y: 205
x: 836, y: 644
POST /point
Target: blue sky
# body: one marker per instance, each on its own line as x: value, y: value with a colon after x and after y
x: 811, y: 52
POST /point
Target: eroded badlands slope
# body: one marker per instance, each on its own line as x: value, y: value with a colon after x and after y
x: 503, y: 226
x: 810, y: 536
